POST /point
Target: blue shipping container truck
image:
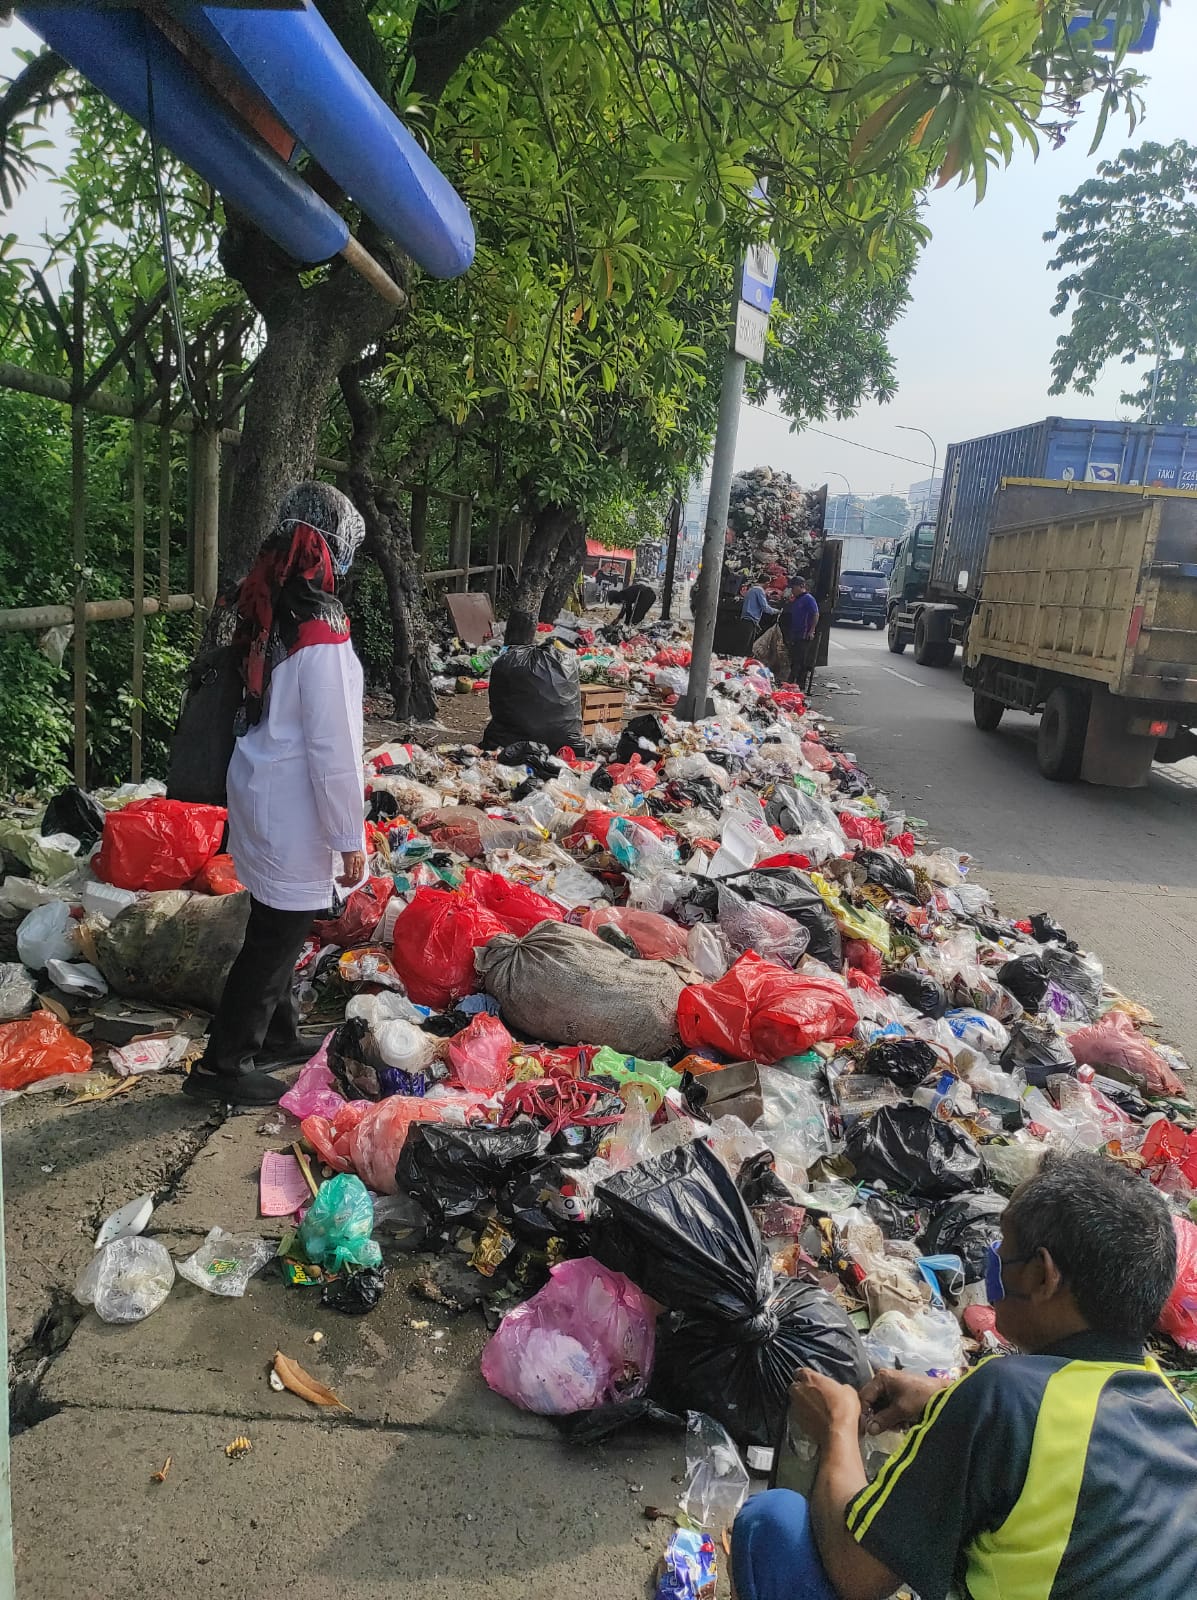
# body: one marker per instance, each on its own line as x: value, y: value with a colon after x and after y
x: 937, y: 573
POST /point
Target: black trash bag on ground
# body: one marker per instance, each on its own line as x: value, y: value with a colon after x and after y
x: 905, y: 1062
x: 1079, y: 975
x: 646, y: 727
x: 890, y: 873
x: 759, y: 1185
x: 678, y: 1227
x: 534, y: 695
x: 789, y: 890
x: 1047, y: 930
x: 356, y: 1293
x: 793, y: 811
x: 452, y: 1171
x: 73, y: 811
x: 897, y: 1219
x: 1039, y: 1050
x: 965, y: 1227
x: 383, y: 807
x: 907, y: 1148
x: 699, y: 902
x: 525, y: 753
x: 592, y: 1427
x: 1027, y: 980
x: 918, y: 989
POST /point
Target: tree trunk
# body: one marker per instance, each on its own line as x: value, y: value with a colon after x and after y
x: 388, y: 542
x: 551, y: 525
x: 570, y: 555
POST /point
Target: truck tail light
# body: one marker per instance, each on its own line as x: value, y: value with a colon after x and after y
x: 1160, y: 730
x: 1135, y: 629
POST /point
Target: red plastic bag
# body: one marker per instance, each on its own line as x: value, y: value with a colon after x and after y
x: 1178, y: 1319
x: 787, y: 858
x: 870, y: 831
x: 860, y: 953
x: 158, y: 844
x: 655, y: 937
x: 330, y: 1140
x: 674, y: 656
x: 597, y: 824
x: 634, y: 774
x: 435, y: 940
x: 39, y: 1047
x: 218, y: 876
x: 517, y: 907
x: 480, y: 1055
x: 761, y: 1012
x: 359, y: 917
x: 905, y: 843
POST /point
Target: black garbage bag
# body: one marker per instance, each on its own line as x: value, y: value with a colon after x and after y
x: 789, y: 890
x: 918, y: 989
x: 1048, y: 931
x: 1027, y: 980
x: 965, y: 1227
x: 639, y: 728
x: 452, y: 1171
x: 699, y: 902
x: 527, y: 753
x: 897, y: 1219
x: 907, y: 1148
x: 890, y: 873
x: 592, y: 1427
x: 905, y: 1062
x: 1080, y: 975
x: 356, y: 1293
x: 534, y: 695
x: 73, y: 811
x: 383, y: 807
x: 678, y: 1227
x: 793, y: 811
x: 759, y: 1185
x: 1039, y: 1050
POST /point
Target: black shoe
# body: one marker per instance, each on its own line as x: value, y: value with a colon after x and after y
x: 234, y: 1088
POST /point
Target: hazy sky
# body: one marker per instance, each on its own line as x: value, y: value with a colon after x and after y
x: 974, y: 348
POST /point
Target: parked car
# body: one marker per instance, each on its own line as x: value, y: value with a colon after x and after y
x: 861, y: 598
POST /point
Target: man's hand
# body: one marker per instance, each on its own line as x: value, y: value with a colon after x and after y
x: 353, y: 868
x: 821, y: 1407
x: 895, y: 1399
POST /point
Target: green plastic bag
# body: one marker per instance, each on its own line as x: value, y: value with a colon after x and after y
x: 335, y: 1233
x: 608, y: 1063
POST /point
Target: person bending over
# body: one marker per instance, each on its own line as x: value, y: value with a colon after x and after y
x: 1066, y: 1472
x: 636, y: 601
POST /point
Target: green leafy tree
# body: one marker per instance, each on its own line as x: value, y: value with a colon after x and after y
x: 1126, y: 244
x: 885, y: 516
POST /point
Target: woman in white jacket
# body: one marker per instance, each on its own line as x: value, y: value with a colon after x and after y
x: 296, y: 811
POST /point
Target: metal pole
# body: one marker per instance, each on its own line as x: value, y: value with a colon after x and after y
x: 836, y: 518
x: 207, y: 515
x: 714, y: 539
x: 675, y: 525
x: 1153, y: 323
x: 79, y: 521
x: 904, y: 427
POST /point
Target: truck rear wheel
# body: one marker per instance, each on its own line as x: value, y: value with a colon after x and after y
x: 930, y: 652
x: 895, y: 636
x: 1060, y: 747
x: 987, y: 712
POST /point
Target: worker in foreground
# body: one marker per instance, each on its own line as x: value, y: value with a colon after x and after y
x: 800, y: 625
x: 1068, y: 1472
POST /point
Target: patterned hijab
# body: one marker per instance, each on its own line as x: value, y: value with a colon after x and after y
x: 288, y: 599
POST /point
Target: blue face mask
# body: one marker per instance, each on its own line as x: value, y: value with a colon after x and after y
x: 995, y: 1288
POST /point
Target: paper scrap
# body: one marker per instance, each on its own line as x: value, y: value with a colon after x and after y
x: 282, y: 1188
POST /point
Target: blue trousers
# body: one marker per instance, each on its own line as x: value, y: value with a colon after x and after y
x: 773, y: 1550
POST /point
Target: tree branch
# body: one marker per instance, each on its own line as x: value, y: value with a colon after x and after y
x: 440, y: 39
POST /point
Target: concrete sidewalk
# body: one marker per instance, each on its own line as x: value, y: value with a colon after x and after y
x: 430, y: 1488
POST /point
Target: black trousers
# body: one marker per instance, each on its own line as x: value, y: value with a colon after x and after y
x: 258, y: 1005
x: 802, y: 661
x: 635, y: 611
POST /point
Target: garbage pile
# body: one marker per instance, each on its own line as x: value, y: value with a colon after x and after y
x: 776, y: 525
x: 706, y: 1059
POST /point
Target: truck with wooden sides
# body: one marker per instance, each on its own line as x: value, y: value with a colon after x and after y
x: 1087, y: 616
x: 936, y: 577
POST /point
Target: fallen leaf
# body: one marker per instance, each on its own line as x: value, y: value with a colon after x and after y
x: 725, y: 1540
x: 160, y: 1477
x: 302, y: 1383
x: 240, y: 1446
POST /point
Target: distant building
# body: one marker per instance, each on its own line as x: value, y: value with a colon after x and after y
x: 923, y: 499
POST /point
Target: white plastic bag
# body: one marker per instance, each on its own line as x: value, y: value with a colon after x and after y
x: 48, y: 933
x: 16, y: 991
x: 716, y: 1478
x: 402, y: 1045
x: 225, y: 1262
x: 708, y: 950
x: 928, y: 1341
x: 126, y: 1280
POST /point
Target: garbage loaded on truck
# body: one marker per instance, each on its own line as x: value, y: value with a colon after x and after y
x: 1087, y: 616
x: 936, y: 576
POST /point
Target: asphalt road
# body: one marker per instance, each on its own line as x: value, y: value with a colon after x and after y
x: 1117, y: 867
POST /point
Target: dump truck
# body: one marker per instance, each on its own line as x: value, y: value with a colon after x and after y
x: 936, y: 576
x: 1087, y: 616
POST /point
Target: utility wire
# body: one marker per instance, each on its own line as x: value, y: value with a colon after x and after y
x: 840, y: 438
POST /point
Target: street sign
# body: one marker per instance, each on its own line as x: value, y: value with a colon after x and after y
x: 751, y: 327
x: 1144, y: 41
x: 759, y: 277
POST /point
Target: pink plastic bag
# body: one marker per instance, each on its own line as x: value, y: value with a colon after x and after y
x: 586, y: 1339
x: 480, y: 1055
x: 330, y: 1138
x: 1179, y: 1317
x: 655, y: 937
x: 1115, y: 1042
x: 314, y: 1093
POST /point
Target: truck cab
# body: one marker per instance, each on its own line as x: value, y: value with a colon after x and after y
x: 912, y: 567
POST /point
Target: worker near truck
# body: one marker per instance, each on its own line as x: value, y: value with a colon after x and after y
x: 755, y: 612
x: 1066, y: 1472
x: 800, y: 625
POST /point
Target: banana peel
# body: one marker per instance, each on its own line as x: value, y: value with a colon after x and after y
x: 292, y: 1376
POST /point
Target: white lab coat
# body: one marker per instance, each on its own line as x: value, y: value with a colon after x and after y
x: 295, y: 781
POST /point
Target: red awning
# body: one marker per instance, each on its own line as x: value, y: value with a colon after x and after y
x: 594, y: 548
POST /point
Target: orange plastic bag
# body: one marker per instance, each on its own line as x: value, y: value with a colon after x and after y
x: 39, y: 1047
x: 218, y: 876
x: 435, y: 940
x: 761, y: 1012
x: 158, y: 844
